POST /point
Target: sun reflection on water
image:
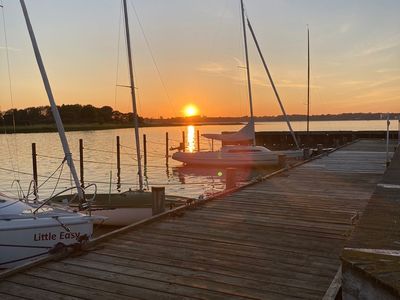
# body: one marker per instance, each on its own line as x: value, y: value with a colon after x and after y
x: 191, y: 138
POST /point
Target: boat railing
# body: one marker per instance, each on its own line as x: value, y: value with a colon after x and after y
x: 83, y: 205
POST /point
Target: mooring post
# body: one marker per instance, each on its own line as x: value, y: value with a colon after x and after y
x: 398, y: 137
x: 34, y: 167
x: 118, y: 161
x: 282, y: 160
x: 145, y: 149
x: 166, y: 148
x: 306, y: 153
x: 81, y: 161
x: 387, y: 141
x: 337, y: 143
x: 230, y: 179
x: 183, y: 141
x: 158, y: 194
x: 320, y: 148
x: 212, y: 145
x: 198, y: 140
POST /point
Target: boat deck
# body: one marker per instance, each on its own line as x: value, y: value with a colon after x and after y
x: 277, y: 239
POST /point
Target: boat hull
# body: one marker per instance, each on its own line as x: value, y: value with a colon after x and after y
x: 122, y: 216
x: 239, y: 156
x: 26, y: 239
x: 120, y: 209
x: 221, y: 159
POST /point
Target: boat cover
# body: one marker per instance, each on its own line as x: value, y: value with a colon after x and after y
x: 244, y: 134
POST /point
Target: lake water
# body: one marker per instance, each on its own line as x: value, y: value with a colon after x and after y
x: 100, y: 157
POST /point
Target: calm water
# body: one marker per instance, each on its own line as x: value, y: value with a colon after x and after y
x: 100, y: 157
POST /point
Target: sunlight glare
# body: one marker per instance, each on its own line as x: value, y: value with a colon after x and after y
x: 190, y: 110
x: 191, y: 138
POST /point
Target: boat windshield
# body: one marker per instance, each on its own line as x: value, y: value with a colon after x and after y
x: 243, y: 150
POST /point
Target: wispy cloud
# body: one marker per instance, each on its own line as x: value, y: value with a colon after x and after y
x: 355, y: 82
x: 214, y: 68
x: 258, y: 77
x: 388, y: 70
x: 363, y: 85
x: 385, y: 81
x: 390, y: 43
x: 344, y: 28
x: 10, y: 49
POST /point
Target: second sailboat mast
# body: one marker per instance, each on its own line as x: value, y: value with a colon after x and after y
x: 132, y: 86
x: 247, y: 68
x: 308, y: 80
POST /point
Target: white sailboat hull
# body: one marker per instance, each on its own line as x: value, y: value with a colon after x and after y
x: 242, y: 156
x: 122, y: 216
x: 26, y: 239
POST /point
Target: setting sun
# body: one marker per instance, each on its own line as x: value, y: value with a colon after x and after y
x: 190, y: 110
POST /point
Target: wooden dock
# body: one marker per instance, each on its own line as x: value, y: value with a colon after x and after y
x: 371, y: 258
x: 277, y: 239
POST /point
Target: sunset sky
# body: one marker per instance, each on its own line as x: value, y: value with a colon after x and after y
x: 198, y: 50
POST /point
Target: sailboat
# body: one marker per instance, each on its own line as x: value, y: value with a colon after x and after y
x: 133, y: 205
x: 241, y: 155
x: 29, y: 230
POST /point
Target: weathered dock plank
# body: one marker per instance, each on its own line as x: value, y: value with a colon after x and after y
x: 277, y: 239
x: 371, y: 259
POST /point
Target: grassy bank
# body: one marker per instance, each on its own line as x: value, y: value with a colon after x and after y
x: 96, y: 126
x: 53, y: 128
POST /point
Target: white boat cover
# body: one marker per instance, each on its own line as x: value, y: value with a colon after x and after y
x: 244, y: 134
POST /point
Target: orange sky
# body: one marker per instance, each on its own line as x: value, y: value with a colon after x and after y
x: 197, y: 48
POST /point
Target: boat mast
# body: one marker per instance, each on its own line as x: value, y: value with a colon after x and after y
x: 133, y: 93
x: 247, y: 70
x: 54, y: 109
x: 272, y: 82
x: 308, y: 80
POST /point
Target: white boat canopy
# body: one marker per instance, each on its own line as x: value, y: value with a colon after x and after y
x: 244, y: 134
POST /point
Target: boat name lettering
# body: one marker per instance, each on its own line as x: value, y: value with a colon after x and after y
x: 49, y: 236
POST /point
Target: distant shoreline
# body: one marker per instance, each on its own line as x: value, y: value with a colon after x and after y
x: 45, y: 128
x: 90, y: 127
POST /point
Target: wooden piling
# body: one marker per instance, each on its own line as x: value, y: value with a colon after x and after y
x: 398, y: 137
x: 306, y: 153
x: 158, y: 194
x: 81, y: 162
x: 320, y: 148
x: 183, y: 141
x: 198, y: 140
x: 166, y: 148
x: 387, y: 141
x: 282, y: 161
x: 145, y: 149
x: 34, y: 167
x: 118, y: 162
x: 337, y: 143
x: 230, y: 178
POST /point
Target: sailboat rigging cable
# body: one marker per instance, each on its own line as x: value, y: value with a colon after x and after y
x: 54, y: 109
x: 272, y: 83
x: 149, y: 48
x: 16, y: 166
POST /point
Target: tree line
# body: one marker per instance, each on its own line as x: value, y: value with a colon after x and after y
x: 70, y: 114
x: 88, y: 114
